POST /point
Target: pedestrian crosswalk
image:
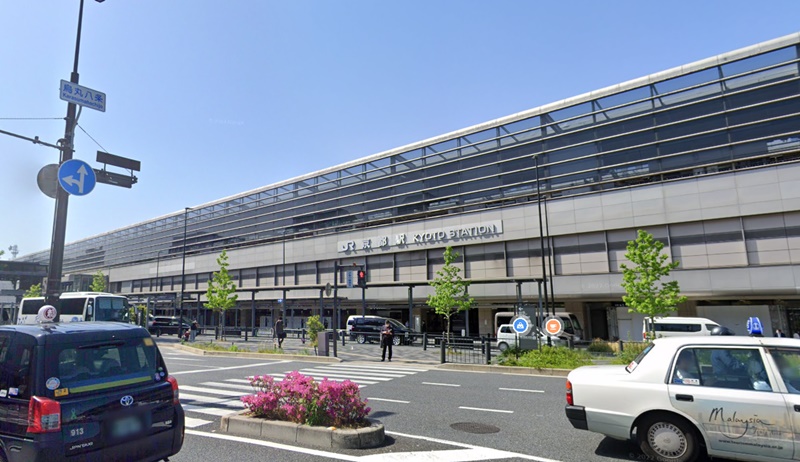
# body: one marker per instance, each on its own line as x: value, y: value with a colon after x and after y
x: 219, y: 398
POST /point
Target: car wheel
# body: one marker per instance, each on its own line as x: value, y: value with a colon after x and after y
x: 396, y: 341
x: 668, y: 438
x: 360, y: 338
x: 502, y: 346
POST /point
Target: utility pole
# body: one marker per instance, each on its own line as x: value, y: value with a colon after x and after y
x: 53, y: 283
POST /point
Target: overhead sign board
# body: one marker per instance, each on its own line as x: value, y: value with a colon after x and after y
x: 76, y: 177
x: 115, y: 179
x: 83, y: 96
x: 117, y: 161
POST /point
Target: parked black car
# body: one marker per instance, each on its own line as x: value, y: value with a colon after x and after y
x: 363, y: 329
x: 88, y: 391
x: 168, y: 325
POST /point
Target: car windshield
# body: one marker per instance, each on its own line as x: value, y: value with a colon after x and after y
x: 396, y: 324
x: 79, y: 368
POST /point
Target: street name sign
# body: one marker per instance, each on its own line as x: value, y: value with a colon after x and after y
x: 83, y: 96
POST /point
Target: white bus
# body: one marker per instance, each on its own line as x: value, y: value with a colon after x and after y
x: 77, y: 307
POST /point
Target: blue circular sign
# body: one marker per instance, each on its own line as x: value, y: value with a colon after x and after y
x: 521, y: 325
x: 76, y: 177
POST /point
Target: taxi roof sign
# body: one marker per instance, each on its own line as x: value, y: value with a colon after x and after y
x: 47, y: 313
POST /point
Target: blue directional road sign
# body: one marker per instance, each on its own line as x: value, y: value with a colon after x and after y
x: 76, y: 177
x: 521, y: 325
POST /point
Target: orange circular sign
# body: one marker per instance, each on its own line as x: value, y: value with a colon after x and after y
x: 554, y: 326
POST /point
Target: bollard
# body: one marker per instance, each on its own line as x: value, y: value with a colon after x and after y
x: 570, y: 342
x: 342, y: 338
x: 424, y: 341
x: 621, y: 346
x: 245, y: 335
x: 304, y: 336
x: 444, y: 344
x: 488, y: 351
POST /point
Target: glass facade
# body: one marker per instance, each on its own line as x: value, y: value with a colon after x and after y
x: 739, y: 114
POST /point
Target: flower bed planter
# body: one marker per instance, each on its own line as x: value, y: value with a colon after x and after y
x: 324, y: 437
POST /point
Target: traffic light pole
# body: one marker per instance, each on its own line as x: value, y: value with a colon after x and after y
x: 334, y: 317
x: 363, y: 301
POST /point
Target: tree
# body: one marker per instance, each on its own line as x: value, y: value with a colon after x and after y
x: 450, y: 290
x: 646, y: 293
x: 98, y: 282
x: 33, y: 291
x: 314, y: 326
x: 221, y: 291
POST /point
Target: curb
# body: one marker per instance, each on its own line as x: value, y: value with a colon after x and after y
x: 324, y: 437
x: 250, y: 354
x: 504, y: 369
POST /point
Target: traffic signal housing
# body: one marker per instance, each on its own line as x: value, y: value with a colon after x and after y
x: 362, y: 278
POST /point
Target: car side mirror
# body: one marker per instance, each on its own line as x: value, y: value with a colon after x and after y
x: 90, y: 310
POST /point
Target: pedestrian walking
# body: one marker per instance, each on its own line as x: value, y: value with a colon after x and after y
x: 280, y: 334
x: 193, y: 329
x: 387, y: 335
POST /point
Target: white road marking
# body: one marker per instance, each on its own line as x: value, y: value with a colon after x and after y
x: 507, y: 455
x: 468, y: 453
x: 370, y: 372
x: 343, y: 375
x: 400, y: 369
x: 485, y: 410
x: 228, y: 368
x: 191, y: 422
x: 521, y: 389
x: 233, y: 403
x: 217, y: 411
x: 246, y: 388
x: 388, y: 400
x: 210, y: 391
x: 180, y: 358
x: 441, y: 384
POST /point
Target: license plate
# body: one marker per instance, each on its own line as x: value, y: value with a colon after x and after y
x: 126, y: 426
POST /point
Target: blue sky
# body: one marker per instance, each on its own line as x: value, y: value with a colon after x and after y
x: 217, y: 98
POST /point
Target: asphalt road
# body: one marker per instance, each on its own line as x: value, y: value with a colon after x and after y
x: 447, y: 415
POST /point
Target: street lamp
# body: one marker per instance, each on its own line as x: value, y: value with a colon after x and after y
x: 183, y: 273
x: 53, y: 284
x: 541, y: 227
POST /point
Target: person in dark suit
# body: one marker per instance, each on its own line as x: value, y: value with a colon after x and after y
x: 279, y: 332
x: 387, y: 335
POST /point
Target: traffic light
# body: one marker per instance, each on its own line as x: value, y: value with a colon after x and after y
x: 362, y: 278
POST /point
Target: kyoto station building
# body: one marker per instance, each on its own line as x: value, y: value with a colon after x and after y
x: 705, y: 156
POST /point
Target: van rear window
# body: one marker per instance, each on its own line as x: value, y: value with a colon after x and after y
x: 31, y: 306
x: 81, y: 368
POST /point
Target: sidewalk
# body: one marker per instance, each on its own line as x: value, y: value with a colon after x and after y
x: 350, y: 351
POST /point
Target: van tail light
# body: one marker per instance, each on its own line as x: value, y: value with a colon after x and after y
x: 175, y: 393
x: 569, y: 394
x: 44, y: 415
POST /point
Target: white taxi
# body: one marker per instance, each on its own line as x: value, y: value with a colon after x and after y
x: 735, y: 397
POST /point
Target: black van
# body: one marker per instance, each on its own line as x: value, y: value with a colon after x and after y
x: 89, y: 391
x: 364, y: 329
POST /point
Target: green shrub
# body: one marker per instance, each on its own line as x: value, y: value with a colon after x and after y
x: 548, y: 358
x: 599, y: 346
x: 207, y: 346
x: 629, y: 352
